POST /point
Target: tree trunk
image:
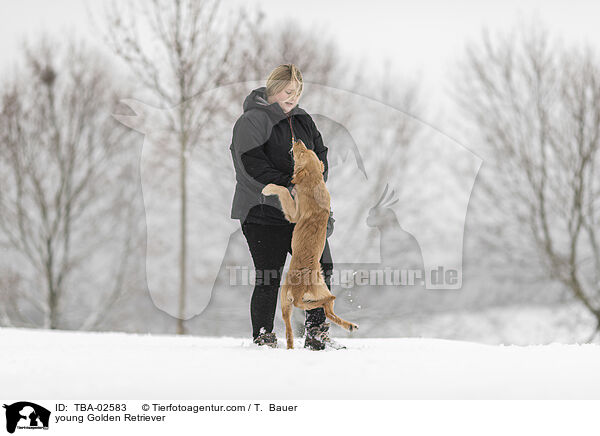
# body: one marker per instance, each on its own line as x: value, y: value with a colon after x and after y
x: 182, y: 241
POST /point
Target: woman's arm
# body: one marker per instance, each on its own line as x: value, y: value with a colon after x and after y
x: 257, y: 165
x: 320, y: 149
x: 247, y: 146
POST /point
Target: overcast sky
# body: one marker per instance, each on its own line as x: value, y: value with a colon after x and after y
x: 421, y: 38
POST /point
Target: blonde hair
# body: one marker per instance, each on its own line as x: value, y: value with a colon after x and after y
x: 281, y: 77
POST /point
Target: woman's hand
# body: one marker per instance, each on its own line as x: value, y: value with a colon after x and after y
x: 330, y: 222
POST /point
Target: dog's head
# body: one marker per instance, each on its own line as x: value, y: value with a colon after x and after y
x: 306, y: 164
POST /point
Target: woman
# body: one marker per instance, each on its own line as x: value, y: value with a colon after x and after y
x: 261, y: 152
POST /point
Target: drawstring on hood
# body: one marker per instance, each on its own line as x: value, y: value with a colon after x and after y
x: 257, y: 99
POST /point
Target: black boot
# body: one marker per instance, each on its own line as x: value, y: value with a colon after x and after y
x: 264, y: 338
x: 317, y: 338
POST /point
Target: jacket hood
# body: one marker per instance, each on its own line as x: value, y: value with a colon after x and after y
x: 257, y: 99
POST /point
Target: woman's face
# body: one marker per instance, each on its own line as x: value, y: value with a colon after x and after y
x: 287, y: 98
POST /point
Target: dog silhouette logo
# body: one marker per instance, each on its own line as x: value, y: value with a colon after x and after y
x: 430, y: 215
x: 26, y: 415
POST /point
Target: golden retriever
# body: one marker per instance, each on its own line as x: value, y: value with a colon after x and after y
x: 304, y: 286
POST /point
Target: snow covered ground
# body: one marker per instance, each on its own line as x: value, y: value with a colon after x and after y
x: 39, y: 364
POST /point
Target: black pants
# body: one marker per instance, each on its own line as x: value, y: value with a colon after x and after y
x: 269, y: 246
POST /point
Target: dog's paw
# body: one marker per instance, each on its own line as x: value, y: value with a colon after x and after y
x: 352, y: 327
x: 270, y: 189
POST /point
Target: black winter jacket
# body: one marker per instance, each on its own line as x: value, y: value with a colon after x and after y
x: 261, y: 153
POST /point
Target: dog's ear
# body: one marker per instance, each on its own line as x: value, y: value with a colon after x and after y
x: 297, y: 178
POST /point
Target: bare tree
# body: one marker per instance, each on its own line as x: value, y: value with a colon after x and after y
x: 312, y: 49
x: 536, y: 105
x: 178, y: 50
x: 65, y: 205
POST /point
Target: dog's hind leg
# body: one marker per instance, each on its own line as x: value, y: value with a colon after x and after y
x: 286, y: 313
x: 328, y: 308
x: 310, y: 304
x: 326, y: 302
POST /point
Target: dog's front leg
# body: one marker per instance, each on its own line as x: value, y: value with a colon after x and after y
x: 288, y: 203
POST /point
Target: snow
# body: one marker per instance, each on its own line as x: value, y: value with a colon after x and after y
x: 82, y: 365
